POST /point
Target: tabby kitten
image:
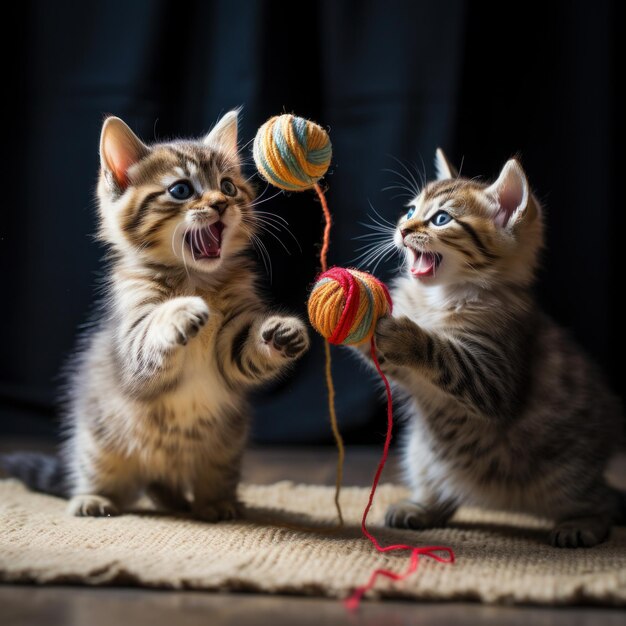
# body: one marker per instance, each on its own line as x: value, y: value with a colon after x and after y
x: 156, y: 399
x: 504, y: 410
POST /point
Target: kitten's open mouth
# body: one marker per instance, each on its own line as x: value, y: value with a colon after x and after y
x: 424, y: 263
x: 205, y: 243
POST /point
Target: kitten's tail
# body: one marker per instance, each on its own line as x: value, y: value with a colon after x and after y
x: 39, y: 472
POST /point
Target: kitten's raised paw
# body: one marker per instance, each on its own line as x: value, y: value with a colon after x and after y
x: 580, y: 532
x: 182, y: 319
x: 285, y: 336
x: 408, y: 514
x: 220, y: 510
x: 91, y: 506
x: 395, y: 339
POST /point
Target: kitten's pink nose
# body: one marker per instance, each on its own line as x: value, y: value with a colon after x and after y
x: 404, y: 232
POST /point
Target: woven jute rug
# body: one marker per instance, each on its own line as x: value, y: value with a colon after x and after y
x: 501, y: 558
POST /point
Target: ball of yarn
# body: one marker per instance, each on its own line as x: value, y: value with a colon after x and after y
x: 292, y: 153
x: 345, y: 305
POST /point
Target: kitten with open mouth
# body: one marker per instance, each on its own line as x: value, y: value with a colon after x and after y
x: 157, y: 398
x: 502, y: 409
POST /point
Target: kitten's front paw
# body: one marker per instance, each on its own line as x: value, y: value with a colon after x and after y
x: 218, y: 511
x: 181, y: 319
x: 407, y: 514
x: 91, y: 506
x: 395, y: 339
x: 580, y: 532
x: 285, y: 336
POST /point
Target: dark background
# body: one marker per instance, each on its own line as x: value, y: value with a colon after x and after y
x: 391, y: 80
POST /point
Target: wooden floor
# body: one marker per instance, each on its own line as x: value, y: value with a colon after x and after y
x: 75, y: 606
x: 23, y: 606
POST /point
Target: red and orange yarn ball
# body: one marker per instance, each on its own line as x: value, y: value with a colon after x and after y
x: 345, y: 305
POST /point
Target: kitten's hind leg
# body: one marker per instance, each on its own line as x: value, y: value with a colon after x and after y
x: 215, y: 491
x: 581, y: 532
x: 167, y: 497
x: 417, y: 516
x: 102, y: 484
x: 590, y: 524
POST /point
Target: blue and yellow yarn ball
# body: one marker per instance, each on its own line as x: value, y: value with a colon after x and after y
x: 291, y: 152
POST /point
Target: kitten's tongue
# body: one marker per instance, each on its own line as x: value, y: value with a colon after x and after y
x: 424, y: 264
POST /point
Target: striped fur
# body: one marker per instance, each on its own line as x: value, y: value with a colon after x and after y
x: 503, y: 409
x: 156, y: 399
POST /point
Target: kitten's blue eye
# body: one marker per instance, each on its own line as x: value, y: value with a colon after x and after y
x: 228, y: 187
x: 181, y: 190
x: 411, y: 212
x: 441, y: 218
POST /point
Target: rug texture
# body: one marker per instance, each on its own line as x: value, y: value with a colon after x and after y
x: 501, y: 558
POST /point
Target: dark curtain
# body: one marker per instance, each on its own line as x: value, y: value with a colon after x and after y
x: 392, y: 80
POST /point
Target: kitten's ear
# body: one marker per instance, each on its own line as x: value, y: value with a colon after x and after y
x: 120, y: 148
x: 223, y: 136
x: 510, y: 193
x: 443, y: 167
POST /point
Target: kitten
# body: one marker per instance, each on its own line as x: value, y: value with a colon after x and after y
x: 504, y: 410
x: 156, y: 399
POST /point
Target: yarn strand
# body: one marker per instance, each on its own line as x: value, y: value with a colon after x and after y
x: 328, y: 222
x: 353, y: 601
x: 341, y: 453
x: 330, y: 386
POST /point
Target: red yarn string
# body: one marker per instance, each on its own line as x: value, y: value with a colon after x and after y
x: 352, y: 297
x: 431, y: 551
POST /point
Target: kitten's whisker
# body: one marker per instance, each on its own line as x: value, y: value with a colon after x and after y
x: 253, y: 175
x: 258, y: 245
x: 375, y: 239
x: 280, y: 241
x: 398, y: 196
x: 265, y: 255
x: 182, y: 249
x: 370, y: 255
x: 372, y: 238
x: 374, y: 247
x: 382, y: 258
x: 265, y: 219
x: 273, y: 215
x: 174, y: 237
x: 374, y: 261
x: 378, y: 228
x: 297, y: 242
x: 402, y: 177
x: 381, y: 220
x: 408, y: 171
x: 461, y: 167
x: 406, y: 193
x: 260, y: 195
x: 421, y: 173
x: 254, y: 240
x: 256, y: 203
x: 246, y: 145
x: 194, y: 236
